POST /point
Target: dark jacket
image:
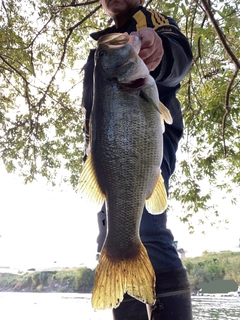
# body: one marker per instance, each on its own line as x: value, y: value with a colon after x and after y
x: 174, y: 66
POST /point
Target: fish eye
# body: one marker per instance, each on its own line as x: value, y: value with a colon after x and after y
x: 101, y: 53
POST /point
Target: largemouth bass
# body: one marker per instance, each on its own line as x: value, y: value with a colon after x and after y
x: 123, y: 167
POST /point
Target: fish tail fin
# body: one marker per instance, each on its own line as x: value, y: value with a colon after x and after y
x: 114, y: 277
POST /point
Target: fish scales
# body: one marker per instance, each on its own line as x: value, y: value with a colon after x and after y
x: 126, y: 158
x: 124, y: 169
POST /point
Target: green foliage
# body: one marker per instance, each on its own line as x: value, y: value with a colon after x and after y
x: 213, y: 266
x: 66, y: 280
x: 83, y: 280
x: 40, y: 75
x: 42, y: 49
x: 206, y: 268
x: 8, y: 279
x: 210, y: 103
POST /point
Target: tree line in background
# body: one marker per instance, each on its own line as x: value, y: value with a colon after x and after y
x: 42, y: 49
x: 213, y: 266
x: 66, y: 280
x: 204, y: 269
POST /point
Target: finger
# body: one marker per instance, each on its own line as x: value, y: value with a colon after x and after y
x: 151, y: 55
x: 145, y: 53
x: 146, y: 35
x: 152, y: 65
x: 154, y: 60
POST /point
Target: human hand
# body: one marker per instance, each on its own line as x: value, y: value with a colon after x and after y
x: 151, y: 51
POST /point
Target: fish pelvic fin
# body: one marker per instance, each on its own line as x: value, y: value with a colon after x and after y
x: 88, y: 184
x: 165, y: 115
x: 157, y: 202
x: 115, y: 277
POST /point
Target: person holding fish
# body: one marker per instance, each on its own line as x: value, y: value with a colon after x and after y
x: 130, y: 155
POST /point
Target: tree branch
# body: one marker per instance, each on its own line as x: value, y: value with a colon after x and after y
x: 227, y: 108
x: 220, y: 34
x: 148, y: 3
x: 63, y: 56
x: 73, y: 4
x: 84, y: 19
x: 21, y: 76
x: 233, y: 58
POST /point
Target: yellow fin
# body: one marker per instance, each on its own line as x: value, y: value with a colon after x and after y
x: 88, y: 184
x: 165, y: 115
x: 114, y: 277
x: 157, y: 202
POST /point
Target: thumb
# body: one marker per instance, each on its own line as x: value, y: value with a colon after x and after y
x: 134, y: 33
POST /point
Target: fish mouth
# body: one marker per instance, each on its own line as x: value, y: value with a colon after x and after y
x: 132, y: 85
x: 135, y: 84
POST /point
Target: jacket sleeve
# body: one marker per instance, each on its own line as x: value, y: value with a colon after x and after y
x: 177, y: 58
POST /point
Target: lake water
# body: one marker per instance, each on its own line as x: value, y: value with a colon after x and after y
x: 67, y: 306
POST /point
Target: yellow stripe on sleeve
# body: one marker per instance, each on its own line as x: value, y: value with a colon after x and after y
x: 140, y: 19
x: 158, y: 20
x: 152, y: 19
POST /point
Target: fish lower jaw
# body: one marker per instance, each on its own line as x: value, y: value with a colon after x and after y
x: 137, y: 82
x: 134, y: 84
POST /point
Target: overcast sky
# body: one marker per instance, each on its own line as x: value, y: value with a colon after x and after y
x: 40, y: 227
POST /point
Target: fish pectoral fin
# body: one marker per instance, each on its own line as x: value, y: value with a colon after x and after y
x: 165, y: 115
x: 146, y: 97
x: 115, y: 277
x: 157, y: 202
x: 88, y: 184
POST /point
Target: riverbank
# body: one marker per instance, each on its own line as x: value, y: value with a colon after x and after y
x: 66, y: 280
x: 210, y: 273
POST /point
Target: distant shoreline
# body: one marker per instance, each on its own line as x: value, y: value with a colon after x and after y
x: 71, y: 280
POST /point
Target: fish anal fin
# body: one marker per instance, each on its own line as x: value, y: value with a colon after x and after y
x: 157, y: 202
x: 115, y: 277
x: 88, y: 185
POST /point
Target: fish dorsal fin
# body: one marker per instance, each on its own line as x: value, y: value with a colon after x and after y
x: 165, y: 115
x: 157, y: 202
x: 88, y: 184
